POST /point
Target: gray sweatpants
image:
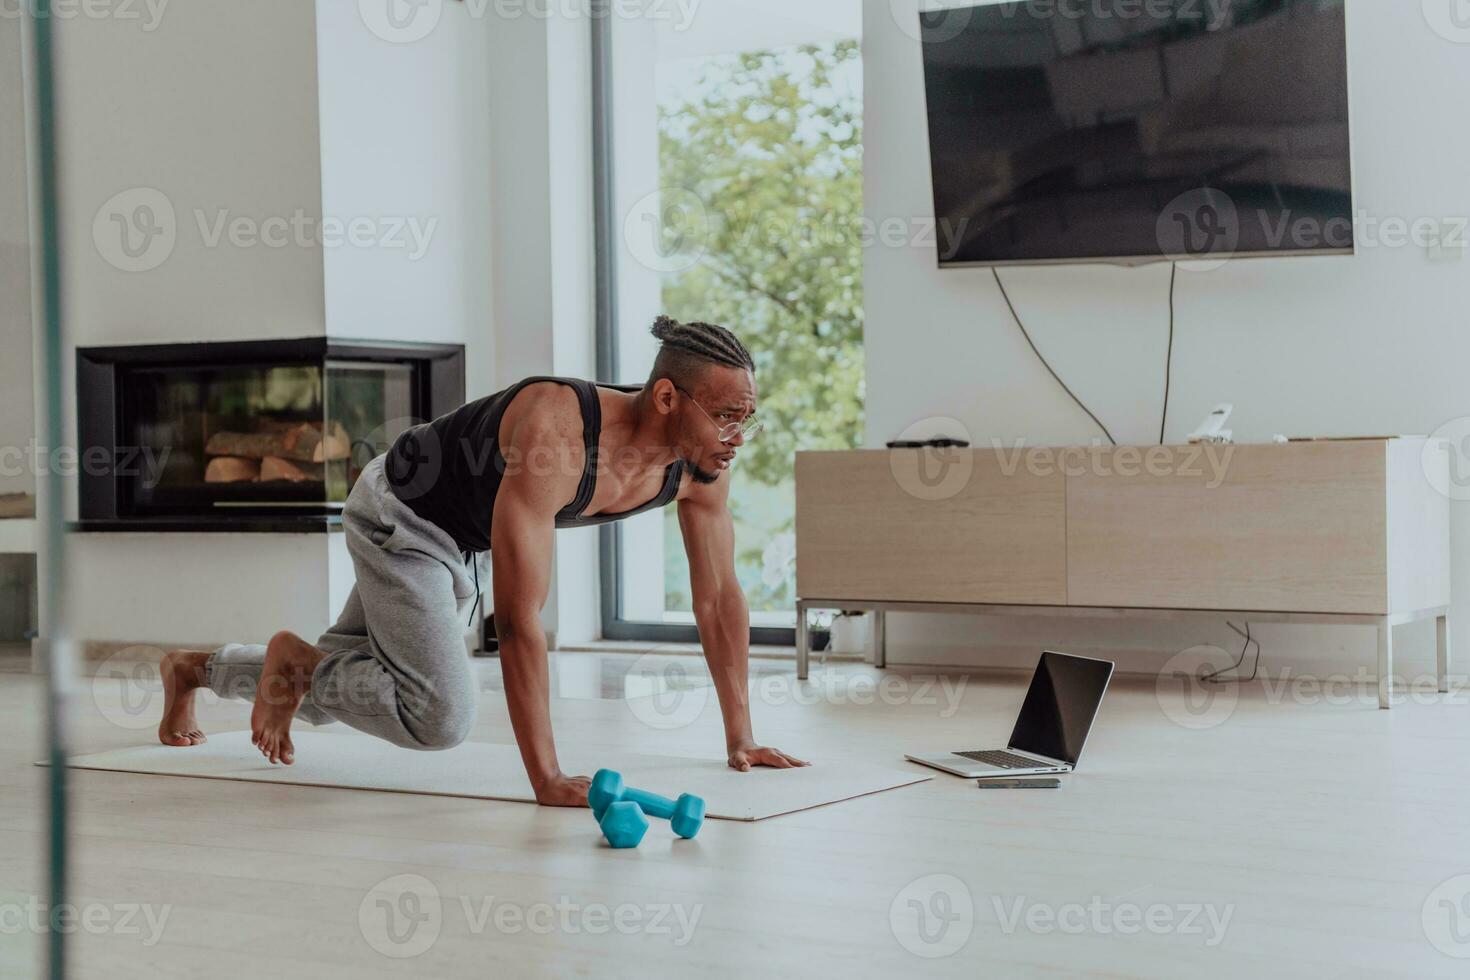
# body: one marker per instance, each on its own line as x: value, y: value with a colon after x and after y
x: 396, y: 664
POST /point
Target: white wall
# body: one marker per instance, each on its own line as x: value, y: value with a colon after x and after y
x: 521, y: 190
x: 405, y: 146
x: 576, y: 604
x: 198, y: 589
x: 276, y: 107
x: 1374, y: 344
x: 639, y: 45
x: 17, y: 401
x: 543, y: 240
x: 405, y: 143
x: 214, y: 109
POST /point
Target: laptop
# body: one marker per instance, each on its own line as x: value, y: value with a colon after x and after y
x: 1058, y: 712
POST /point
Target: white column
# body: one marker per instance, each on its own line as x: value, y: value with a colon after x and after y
x: 639, y: 287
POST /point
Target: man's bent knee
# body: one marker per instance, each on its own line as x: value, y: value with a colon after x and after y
x: 286, y: 638
x: 443, y: 724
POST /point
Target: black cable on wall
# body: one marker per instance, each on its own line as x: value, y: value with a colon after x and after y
x: 1168, y: 359
x: 1042, y: 358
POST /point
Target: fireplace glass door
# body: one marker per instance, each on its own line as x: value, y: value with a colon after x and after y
x: 277, y: 437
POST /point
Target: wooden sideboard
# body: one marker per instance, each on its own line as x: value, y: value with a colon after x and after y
x: 1350, y: 531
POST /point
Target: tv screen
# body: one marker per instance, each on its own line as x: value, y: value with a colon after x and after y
x: 1138, y: 130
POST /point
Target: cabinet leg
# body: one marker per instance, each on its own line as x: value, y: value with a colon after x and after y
x: 880, y: 639
x: 1442, y: 650
x: 1385, y: 664
x: 803, y: 648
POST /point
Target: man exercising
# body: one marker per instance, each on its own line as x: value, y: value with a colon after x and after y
x: 500, y: 475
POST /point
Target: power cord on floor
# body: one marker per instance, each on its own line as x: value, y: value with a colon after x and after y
x: 1214, y: 676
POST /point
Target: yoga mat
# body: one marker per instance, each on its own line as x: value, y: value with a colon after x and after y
x: 482, y: 770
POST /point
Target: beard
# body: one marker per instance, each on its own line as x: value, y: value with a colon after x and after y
x: 702, y: 476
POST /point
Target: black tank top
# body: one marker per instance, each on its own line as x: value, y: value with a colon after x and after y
x: 448, y: 471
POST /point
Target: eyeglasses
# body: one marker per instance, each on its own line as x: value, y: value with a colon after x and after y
x: 747, y: 427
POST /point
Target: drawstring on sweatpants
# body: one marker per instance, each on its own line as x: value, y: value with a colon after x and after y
x: 474, y: 561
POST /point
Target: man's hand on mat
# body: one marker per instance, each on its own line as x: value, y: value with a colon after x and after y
x: 744, y: 757
x: 562, y: 790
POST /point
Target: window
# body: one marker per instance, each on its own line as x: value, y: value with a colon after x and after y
x: 729, y: 171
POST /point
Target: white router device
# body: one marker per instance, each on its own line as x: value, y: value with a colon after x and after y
x: 1212, y: 429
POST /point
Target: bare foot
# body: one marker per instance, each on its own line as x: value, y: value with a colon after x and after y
x: 183, y: 674
x: 284, y: 681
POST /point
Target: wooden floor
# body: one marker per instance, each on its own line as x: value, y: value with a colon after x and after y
x: 1289, y: 839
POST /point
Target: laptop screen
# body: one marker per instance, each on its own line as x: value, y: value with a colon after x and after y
x: 1063, y: 699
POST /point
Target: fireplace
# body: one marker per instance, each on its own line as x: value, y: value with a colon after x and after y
x: 265, y: 436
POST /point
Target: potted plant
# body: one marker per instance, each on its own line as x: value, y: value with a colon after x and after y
x: 819, y: 630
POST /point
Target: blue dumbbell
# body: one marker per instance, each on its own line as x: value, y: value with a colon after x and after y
x: 623, y: 824
x: 685, y: 815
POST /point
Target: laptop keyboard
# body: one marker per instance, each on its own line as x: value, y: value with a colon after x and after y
x: 1003, y: 760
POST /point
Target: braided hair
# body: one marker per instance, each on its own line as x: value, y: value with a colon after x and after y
x: 688, y: 348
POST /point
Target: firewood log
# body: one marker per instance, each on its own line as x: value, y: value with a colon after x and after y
x: 302, y: 441
x: 276, y: 468
x: 255, y: 445
x: 309, y: 442
x: 231, y: 469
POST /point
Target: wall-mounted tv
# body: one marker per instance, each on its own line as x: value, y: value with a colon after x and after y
x: 1133, y: 131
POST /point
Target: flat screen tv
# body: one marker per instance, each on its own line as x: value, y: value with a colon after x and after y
x: 1134, y: 131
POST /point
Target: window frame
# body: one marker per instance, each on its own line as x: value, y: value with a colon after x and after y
x: 605, y: 225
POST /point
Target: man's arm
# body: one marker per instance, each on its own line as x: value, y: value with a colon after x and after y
x: 723, y: 618
x: 521, y: 538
